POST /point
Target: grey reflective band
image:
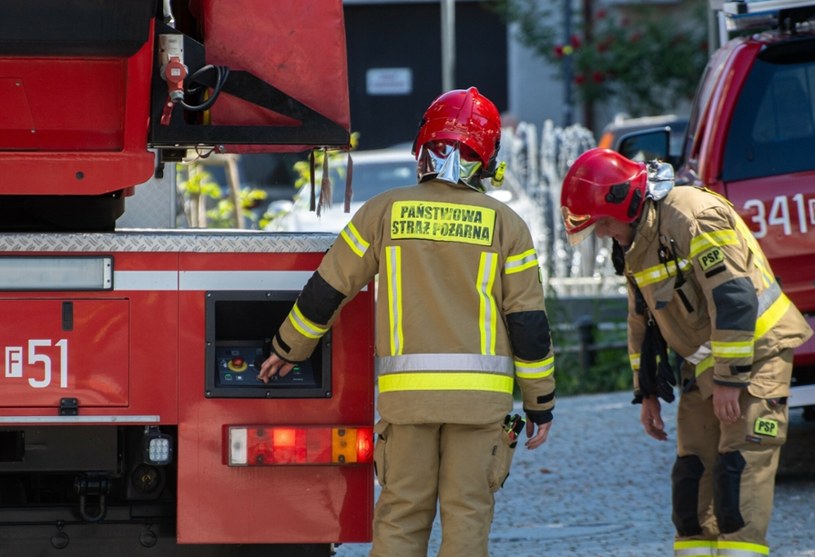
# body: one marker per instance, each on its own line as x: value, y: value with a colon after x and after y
x: 701, y: 353
x: 740, y: 553
x: 445, y: 362
x: 768, y: 296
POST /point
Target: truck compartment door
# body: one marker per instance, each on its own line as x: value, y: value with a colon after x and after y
x: 64, y: 348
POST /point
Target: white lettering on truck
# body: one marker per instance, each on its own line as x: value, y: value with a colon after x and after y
x: 779, y: 214
x: 15, y: 362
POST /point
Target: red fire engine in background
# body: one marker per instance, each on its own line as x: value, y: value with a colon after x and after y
x: 751, y: 138
x: 131, y: 422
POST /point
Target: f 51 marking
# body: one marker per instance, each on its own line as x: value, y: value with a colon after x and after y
x: 34, y: 356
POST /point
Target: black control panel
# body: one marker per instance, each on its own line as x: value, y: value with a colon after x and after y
x: 239, y: 325
x: 238, y: 363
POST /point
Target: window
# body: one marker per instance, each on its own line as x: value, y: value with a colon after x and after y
x: 773, y: 131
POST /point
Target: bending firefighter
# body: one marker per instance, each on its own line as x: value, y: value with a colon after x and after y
x: 460, y: 319
x: 700, y: 285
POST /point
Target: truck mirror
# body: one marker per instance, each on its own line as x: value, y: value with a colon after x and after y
x: 646, y: 145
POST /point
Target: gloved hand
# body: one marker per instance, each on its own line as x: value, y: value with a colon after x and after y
x: 656, y: 377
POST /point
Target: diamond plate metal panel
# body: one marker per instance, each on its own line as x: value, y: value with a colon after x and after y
x: 169, y: 241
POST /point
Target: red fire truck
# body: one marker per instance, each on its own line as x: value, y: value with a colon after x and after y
x: 131, y: 421
x: 751, y: 137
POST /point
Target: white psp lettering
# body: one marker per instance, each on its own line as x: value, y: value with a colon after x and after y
x: 779, y: 214
x: 38, y: 356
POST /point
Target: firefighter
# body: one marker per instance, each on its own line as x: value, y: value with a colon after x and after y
x: 460, y: 318
x: 698, y: 283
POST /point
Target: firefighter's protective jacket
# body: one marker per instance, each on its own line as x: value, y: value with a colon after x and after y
x: 460, y: 311
x: 711, y: 291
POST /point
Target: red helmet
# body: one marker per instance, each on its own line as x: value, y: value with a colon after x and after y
x: 601, y: 183
x: 465, y: 116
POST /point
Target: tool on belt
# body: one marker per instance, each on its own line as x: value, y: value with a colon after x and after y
x: 513, y: 426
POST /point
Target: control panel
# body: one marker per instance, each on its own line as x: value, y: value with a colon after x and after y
x: 238, y: 363
x: 238, y: 329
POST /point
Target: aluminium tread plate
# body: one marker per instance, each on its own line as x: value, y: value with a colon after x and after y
x: 168, y: 241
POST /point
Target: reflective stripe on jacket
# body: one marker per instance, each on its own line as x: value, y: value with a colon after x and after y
x: 460, y: 312
x: 710, y: 289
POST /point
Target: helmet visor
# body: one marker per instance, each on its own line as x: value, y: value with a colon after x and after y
x: 578, y: 227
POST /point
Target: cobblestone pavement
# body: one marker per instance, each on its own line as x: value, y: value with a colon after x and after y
x: 600, y: 487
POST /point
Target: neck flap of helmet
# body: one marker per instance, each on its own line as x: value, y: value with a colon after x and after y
x: 660, y: 180
x: 442, y: 160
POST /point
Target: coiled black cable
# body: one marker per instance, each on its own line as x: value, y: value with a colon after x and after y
x: 221, y: 75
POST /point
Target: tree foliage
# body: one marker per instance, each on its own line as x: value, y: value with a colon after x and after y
x: 640, y: 56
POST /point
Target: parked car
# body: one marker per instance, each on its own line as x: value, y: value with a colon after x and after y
x: 372, y: 172
x: 623, y: 128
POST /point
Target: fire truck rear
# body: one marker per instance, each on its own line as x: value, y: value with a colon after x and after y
x: 751, y: 137
x: 131, y: 421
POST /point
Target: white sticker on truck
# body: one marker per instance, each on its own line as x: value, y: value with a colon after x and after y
x: 783, y: 211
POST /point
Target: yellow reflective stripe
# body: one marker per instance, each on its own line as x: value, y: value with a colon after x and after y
x: 774, y: 313
x: 695, y: 548
x: 709, y: 240
x: 659, y: 272
x: 354, y: 240
x: 535, y: 370
x: 393, y: 263
x: 635, y: 361
x: 758, y: 255
x: 304, y: 326
x: 487, y: 310
x: 741, y: 549
x: 737, y: 349
x: 439, y: 381
x: 518, y: 263
x: 704, y: 365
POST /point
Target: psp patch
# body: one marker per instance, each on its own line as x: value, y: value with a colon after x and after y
x: 766, y: 427
x: 711, y: 258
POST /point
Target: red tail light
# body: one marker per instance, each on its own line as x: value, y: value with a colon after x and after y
x: 264, y: 445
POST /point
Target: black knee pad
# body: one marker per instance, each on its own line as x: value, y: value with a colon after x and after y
x: 726, y: 484
x: 685, y: 478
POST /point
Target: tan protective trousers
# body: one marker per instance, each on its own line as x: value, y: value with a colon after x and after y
x: 724, y: 475
x: 458, y: 466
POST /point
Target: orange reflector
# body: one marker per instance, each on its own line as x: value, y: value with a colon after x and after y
x: 262, y: 445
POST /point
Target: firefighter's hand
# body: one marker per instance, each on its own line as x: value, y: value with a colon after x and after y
x: 726, y: 403
x: 651, y: 418
x: 536, y: 439
x: 272, y: 366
